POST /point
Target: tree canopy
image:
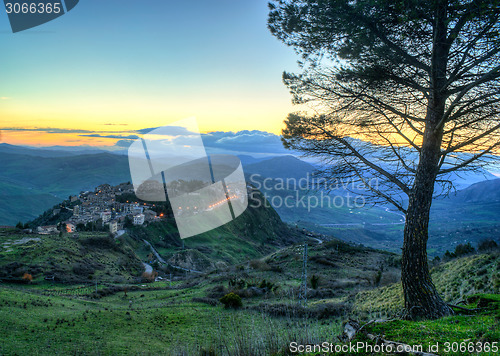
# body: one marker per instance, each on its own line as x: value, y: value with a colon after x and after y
x: 406, y: 92
x: 370, y: 70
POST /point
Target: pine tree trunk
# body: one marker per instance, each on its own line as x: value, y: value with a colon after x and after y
x: 421, y: 298
x: 422, y: 301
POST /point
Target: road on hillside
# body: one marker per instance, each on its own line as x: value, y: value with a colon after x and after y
x: 160, y: 259
x: 147, y: 268
x: 387, y: 210
x: 316, y: 239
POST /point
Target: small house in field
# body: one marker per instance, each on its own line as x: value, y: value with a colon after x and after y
x: 47, y: 230
x: 70, y: 227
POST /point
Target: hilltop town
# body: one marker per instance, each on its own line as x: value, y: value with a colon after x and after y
x: 106, y: 207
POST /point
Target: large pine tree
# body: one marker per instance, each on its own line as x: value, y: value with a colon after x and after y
x: 417, y: 83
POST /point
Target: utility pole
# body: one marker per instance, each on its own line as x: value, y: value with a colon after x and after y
x: 303, y: 294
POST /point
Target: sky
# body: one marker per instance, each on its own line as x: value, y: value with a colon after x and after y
x: 112, y: 67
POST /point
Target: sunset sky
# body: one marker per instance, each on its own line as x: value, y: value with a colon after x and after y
x: 116, y: 66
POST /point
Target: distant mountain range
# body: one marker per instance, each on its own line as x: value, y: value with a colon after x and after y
x: 34, y: 179
x: 483, y: 192
x: 53, y: 151
x: 281, y: 167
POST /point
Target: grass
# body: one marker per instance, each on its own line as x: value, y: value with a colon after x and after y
x: 455, y: 280
x: 148, y: 321
x: 67, y: 257
x: 184, y: 318
x: 453, y: 335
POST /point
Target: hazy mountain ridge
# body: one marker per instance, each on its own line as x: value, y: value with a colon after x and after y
x: 31, y: 184
x: 487, y: 191
x: 52, y: 151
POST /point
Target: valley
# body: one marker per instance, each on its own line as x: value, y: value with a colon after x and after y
x: 469, y: 215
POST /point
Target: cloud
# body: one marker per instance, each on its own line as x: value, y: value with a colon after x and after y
x: 45, y: 129
x: 168, y: 130
x: 132, y: 137
x: 245, y: 141
x: 4, y: 98
x: 123, y: 143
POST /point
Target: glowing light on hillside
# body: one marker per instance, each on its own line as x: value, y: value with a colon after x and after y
x: 223, y: 201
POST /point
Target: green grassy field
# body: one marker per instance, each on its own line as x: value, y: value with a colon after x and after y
x: 148, y: 321
x: 185, y: 318
x: 465, y: 333
x: 70, y: 258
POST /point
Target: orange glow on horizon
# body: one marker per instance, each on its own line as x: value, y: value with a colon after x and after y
x: 42, y: 139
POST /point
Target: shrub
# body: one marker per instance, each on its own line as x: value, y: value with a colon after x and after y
x: 322, y: 261
x: 238, y: 283
x: 394, y: 261
x: 83, y: 269
x: 149, y: 276
x: 28, y: 278
x: 486, y: 245
x: 231, y: 300
x: 101, y: 242
x: 449, y: 255
x: 266, y: 285
x: 260, y: 265
x: 314, y: 281
x: 217, y: 292
x: 464, y: 249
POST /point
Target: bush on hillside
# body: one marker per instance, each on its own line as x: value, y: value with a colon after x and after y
x: 487, y: 245
x: 259, y: 265
x: 101, y: 242
x: 28, y: 278
x: 314, y: 281
x: 231, y: 300
x: 460, y: 250
x: 149, y: 277
x: 464, y: 249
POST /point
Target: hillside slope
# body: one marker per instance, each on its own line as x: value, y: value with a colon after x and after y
x: 29, y: 184
x: 281, y: 167
x: 455, y: 280
x: 487, y: 191
x: 80, y: 258
x: 255, y: 233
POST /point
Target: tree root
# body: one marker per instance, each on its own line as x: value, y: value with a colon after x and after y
x: 353, y: 328
x: 406, y: 349
x: 470, y: 311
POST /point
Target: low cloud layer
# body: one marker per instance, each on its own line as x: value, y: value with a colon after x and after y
x: 245, y: 141
x: 258, y: 142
